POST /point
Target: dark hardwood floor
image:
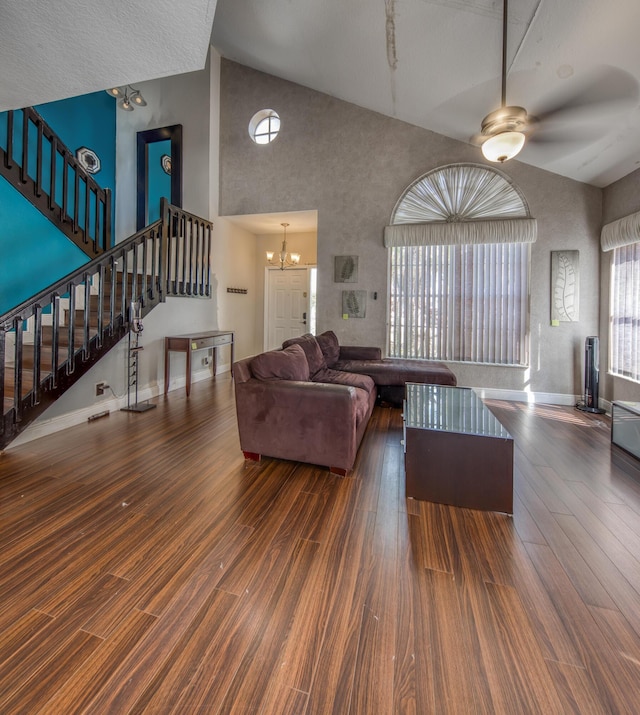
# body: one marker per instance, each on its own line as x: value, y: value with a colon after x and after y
x: 145, y: 569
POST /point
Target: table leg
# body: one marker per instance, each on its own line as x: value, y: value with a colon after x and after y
x: 189, y: 351
x: 166, y: 366
x: 214, y: 357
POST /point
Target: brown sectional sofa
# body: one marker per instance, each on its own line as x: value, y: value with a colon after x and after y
x: 311, y: 401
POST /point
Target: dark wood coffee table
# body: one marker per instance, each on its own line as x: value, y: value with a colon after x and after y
x: 456, y: 451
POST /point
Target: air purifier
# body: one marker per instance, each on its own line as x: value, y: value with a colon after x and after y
x: 591, y: 376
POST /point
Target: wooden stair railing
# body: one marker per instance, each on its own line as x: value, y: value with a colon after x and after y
x: 37, y: 163
x: 48, y: 342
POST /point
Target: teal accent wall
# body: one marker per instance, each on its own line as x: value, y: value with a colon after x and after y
x: 34, y: 253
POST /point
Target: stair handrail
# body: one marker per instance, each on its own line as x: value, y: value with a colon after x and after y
x: 22, y: 311
x: 55, y: 182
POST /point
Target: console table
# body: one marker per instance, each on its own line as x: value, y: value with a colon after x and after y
x: 456, y: 451
x: 192, y: 342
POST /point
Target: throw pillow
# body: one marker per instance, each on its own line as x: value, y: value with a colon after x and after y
x: 309, y: 344
x: 288, y: 364
x: 330, y: 347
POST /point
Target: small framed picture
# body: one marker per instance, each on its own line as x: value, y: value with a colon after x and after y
x: 354, y: 303
x: 88, y: 160
x: 345, y: 269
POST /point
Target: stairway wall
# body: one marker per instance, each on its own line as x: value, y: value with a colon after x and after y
x: 34, y: 252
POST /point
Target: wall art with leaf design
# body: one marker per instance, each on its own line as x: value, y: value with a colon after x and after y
x: 345, y: 269
x: 354, y: 303
x: 565, y: 286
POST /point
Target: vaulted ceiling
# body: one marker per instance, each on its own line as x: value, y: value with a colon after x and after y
x: 575, y: 64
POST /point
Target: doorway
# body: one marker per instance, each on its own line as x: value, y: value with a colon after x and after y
x: 289, y: 302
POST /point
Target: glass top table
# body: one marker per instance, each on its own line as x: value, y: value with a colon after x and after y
x: 450, y: 409
x: 456, y: 451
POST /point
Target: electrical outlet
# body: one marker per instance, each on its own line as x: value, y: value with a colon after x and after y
x: 100, y: 387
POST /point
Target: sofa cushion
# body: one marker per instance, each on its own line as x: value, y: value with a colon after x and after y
x: 351, y: 379
x: 398, y: 371
x: 330, y: 347
x: 288, y: 364
x: 309, y: 344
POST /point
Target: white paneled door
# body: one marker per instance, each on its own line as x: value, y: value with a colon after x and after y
x: 286, y: 305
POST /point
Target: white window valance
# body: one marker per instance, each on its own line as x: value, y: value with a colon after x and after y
x: 462, y: 232
x: 622, y: 232
x: 461, y: 204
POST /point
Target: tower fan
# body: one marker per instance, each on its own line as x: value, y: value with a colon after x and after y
x: 591, y: 376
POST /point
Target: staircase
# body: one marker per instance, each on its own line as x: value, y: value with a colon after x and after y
x: 54, y: 338
x: 51, y: 340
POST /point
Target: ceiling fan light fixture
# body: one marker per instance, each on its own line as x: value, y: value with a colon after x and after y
x: 502, y: 133
x: 503, y: 146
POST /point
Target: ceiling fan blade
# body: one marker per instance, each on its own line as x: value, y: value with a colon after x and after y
x: 604, y: 91
x: 478, y: 139
x: 565, y: 135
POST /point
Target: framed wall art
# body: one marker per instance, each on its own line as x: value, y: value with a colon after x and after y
x: 565, y: 286
x: 345, y: 269
x: 354, y: 303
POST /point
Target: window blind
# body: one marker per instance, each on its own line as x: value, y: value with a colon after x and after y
x: 466, y: 302
x: 625, y: 312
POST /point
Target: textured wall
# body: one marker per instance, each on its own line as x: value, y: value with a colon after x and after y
x: 351, y: 165
x: 620, y: 199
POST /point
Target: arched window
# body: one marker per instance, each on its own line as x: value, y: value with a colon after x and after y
x: 459, y: 268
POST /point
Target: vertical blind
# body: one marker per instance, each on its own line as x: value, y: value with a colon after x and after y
x: 460, y: 302
x: 625, y: 312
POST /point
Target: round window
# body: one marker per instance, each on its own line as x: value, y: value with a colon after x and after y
x: 264, y: 126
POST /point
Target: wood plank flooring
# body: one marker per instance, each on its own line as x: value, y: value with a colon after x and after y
x: 145, y: 569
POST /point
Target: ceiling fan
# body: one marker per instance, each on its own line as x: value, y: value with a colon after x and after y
x: 504, y: 131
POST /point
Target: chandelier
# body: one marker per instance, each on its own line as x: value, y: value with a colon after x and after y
x: 293, y: 258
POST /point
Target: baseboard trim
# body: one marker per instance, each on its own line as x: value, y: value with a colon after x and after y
x: 535, y: 398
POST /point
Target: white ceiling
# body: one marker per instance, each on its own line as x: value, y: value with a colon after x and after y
x: 436, y: 64
x: 54, y: 49
x: 263, y: 224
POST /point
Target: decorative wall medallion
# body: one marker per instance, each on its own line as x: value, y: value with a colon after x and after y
x: 88, y: 160
x: 354, y: 303
x: 345, y: 269
x: 165, y: 160
x: 565, y: 286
